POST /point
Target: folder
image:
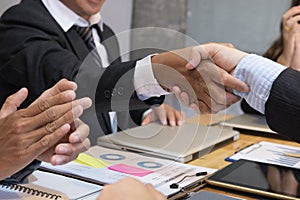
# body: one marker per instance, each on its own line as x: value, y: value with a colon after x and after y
x: 161, y: 173
x: 44, y: 185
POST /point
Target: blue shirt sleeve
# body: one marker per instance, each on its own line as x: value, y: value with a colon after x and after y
x: 259, y: 73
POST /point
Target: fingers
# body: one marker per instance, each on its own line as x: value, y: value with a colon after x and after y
x: 51, y: 127
x: 47, y: 141
x: 291, y: 13
x: 195, y: 107
x: 12, y: 103
x: 174, y: 117
x: 227, y: 45
x: 231, y: 98
x: 198, y: 53
x: 166, y: 115
x: 232, y: 83
x: 128, y: 189
x: 224, y: 57
x: 64, y: 117
x: 41, y: 106
x: 291, y: 24
x: 161, y: 114
x: 69, y: 152
x: 183, y: 97
x: 55, y: 117
x: 156, y: 194
x: 146, y: 120
x: 81, y: 132
x: 78, y: 143
x: 62, y: 85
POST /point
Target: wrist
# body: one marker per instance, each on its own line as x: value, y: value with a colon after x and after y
x: 168, y: 65
x: 283, y: 60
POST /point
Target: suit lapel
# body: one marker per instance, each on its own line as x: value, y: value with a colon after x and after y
x: 79, y: 48
x: 77, y: 44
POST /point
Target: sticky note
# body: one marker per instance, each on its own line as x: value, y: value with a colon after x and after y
x: 126, y: 169
x: 92, y: 161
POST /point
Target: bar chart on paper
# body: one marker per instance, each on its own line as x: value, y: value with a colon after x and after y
x: 269, y: 152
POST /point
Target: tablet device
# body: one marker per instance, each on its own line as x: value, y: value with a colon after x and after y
x: 259, y: 178
x: 210, y: 195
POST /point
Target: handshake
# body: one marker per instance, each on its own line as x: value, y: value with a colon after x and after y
x: 206, y: 82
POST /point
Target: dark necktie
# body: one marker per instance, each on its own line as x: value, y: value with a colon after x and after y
x: 86, y: 34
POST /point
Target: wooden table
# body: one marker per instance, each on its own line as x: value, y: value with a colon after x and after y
x: 215, y: 159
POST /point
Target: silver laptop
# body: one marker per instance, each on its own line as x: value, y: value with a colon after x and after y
x: 251, y: 122
x: 181, y: 144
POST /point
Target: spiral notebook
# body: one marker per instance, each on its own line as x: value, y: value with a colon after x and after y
x: 44, y: 185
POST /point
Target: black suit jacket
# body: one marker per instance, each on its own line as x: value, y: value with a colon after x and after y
x: 282, y: 108
x: 36, y: 53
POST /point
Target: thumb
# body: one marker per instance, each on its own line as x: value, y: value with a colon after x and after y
x: 198, y: 53
x: 146, y: 120
x: 12, y: 103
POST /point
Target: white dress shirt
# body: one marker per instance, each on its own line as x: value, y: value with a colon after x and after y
x: 66, y: 18
x: 143, y: 74
x: 259, y: 73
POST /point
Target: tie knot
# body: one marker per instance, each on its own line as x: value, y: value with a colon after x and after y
x: 86, y: 34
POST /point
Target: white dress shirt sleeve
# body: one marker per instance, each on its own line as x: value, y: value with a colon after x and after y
x: 145, y: 84
x: 259, y: 73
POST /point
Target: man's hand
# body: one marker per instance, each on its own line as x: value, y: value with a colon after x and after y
x: 76, y: 141
x: 68, y: 147
x: 30, y: 132
x: 130, y: 189
x: 224, y: 57
x: 166, y: 115
x: 205, y: 83
x: 290, y: 34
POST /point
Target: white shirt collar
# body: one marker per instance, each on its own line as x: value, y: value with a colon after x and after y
x: 66, y: 18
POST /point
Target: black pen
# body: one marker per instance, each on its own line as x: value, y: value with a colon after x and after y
x: 176, y: 185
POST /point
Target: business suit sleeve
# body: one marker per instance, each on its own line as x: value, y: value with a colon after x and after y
x: 42, y: 62
x: 282, y: 108
x: 116, y: 92
x: 36, y: 54
x: 32, y: 52
x: 246, y: 108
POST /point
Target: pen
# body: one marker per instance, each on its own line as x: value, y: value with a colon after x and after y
x: 294, y: 155
x: 176, y: 185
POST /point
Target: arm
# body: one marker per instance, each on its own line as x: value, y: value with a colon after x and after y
x: 283, y: 106
x: 279, y: 99
x: 205, y: 84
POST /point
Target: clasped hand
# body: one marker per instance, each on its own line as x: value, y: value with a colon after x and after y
x: 48, y: 130
x: 202, y: 74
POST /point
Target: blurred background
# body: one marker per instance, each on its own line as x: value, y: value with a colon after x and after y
x: 251, y: 26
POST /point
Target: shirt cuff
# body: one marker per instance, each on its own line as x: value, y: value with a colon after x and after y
x: 145, y: 84
x: 259, y: 73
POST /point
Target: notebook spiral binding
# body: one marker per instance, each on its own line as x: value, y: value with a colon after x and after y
x: 28, y: 190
